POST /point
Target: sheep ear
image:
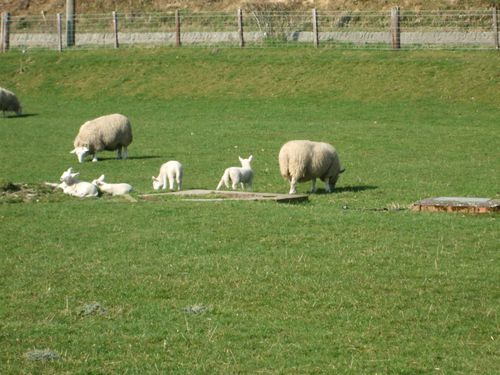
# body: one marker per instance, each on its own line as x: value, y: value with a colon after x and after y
x: 250, y: 158
x: 73, y: 151
x: 75, y: 174
x: 101, y: 178
x: 153, y: 178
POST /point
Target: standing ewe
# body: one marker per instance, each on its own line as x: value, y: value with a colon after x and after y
x: 172, y: 171
x: 302, y: 161
x: 238, y: 175
x: 110, y: 132
x: 72, y: 186
x: 9, y: 102
x: 113, y: 189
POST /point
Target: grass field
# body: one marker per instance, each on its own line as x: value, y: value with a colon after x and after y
x: 351, y: 282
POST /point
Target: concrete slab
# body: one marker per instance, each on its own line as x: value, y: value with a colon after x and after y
x: 457, y: 204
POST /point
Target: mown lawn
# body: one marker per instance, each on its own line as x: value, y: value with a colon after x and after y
x: 350, y: 282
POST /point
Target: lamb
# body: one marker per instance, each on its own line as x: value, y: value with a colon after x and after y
x: 171, y: 171
x: 238, y: 175
x: 302, y: 160
x: 9, y: 102
x: 72, y: 186
x: 110, y: 133
x: 113, y: 189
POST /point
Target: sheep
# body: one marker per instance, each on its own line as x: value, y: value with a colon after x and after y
x: 302, y: 160
x: 110, y: 132
x: 238, y: 175
x: 113, y: 189
x: 9, y: 102
x: 72, y: 186
x: 173, y: 171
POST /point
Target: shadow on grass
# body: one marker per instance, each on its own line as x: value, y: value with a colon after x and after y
x: 22, y: 115
x: 129, y: 158
x: 347, y: 189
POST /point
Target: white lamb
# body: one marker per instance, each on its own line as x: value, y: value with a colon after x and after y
x: 171, y: 171
x: 238, y: 175
x: 113, y: 189
x: 302, y: 161
x: 72, y: 186
x: 9, y: 102
x: 110, y: 132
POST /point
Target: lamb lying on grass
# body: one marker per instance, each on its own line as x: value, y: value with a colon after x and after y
x: 9, y: 102
x: 111, y: 132
x: 238, y: 175
x: 171, y: 171
x: 302, y: 161
x: 113, y: 189
x: 72, y: 186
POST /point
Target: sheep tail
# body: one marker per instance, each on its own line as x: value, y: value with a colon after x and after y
x: 342, y: 170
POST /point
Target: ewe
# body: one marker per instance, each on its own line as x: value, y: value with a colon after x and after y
x: 302, y: 161
x: 238, y: 175
x: 72, y: 186
x: 171, y: 171
x: 113, y: 189
x: 110, y: 133
x: 9, y: 102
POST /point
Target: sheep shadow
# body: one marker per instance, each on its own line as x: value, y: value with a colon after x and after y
x: 346, y: 189
x: 109, y: 158
x: 20, y: 116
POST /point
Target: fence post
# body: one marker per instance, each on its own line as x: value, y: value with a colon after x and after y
x: 395, y: 28
x: 240, y: 28
x: 70, y: 23
x: 5, y: 27
x: 177, y: 29
x: 115, y: 28
x: 495, y: 27
x: 315, y: 27
x: 59, y: 32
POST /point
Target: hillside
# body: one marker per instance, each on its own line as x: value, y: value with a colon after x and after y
x: 23, y: 7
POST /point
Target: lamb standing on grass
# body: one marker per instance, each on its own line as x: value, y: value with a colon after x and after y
x: 72, y: 186
x: 238, y: 175
x: 113, y: 189
x: 9, y: 102
x: 302, y: 161
x: 110, y: 133
x: 171, y: 171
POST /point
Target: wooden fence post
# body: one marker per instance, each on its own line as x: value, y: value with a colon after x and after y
x: 59, y: 32
x: 1, y: 32
x: 240, y: 28
x: 395, y: 28
x: 70, y: 23
x: 315, y: 27
x: 5, y: 27
x: 115, y: 28
x: 495, y: 27
x: 177, y: 29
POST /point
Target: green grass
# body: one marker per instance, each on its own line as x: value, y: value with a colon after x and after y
x: 335, y: 285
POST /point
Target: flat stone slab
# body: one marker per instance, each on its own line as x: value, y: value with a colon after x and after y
x: 201, y: 195
x: 457, y: 204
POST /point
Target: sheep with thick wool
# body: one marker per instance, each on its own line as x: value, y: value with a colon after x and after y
x: 302, y: 160
x: 9, y: 102
x: 110, y: 133
x: 113, y: 189
x: 171, y: 172
x: 238, y: 175
x: 72, y: 186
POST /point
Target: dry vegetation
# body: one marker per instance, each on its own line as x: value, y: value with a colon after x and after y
x: 22, y: 7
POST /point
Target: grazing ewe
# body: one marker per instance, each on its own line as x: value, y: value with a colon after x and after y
x: 110, y: 132
x: 302, y: 161
x: 9, y: 102
x: 238, y: 175
x: 113, y: 189
x: 172, y: 171
x: 72, y: 186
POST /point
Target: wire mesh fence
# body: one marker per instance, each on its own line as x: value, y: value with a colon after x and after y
x: 256, y: 29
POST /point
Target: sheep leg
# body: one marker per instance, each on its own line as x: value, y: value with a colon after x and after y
x: 313, y: 187
x: 293, y: 186
x: 328, y: 188
x: 119, y: 152
x: 179, y: 183
x: 94, y: 157
x: 125, y: 152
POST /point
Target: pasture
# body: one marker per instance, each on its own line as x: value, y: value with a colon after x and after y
x: 350, y: 282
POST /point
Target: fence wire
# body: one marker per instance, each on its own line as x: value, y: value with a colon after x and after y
x: 260, y: 29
